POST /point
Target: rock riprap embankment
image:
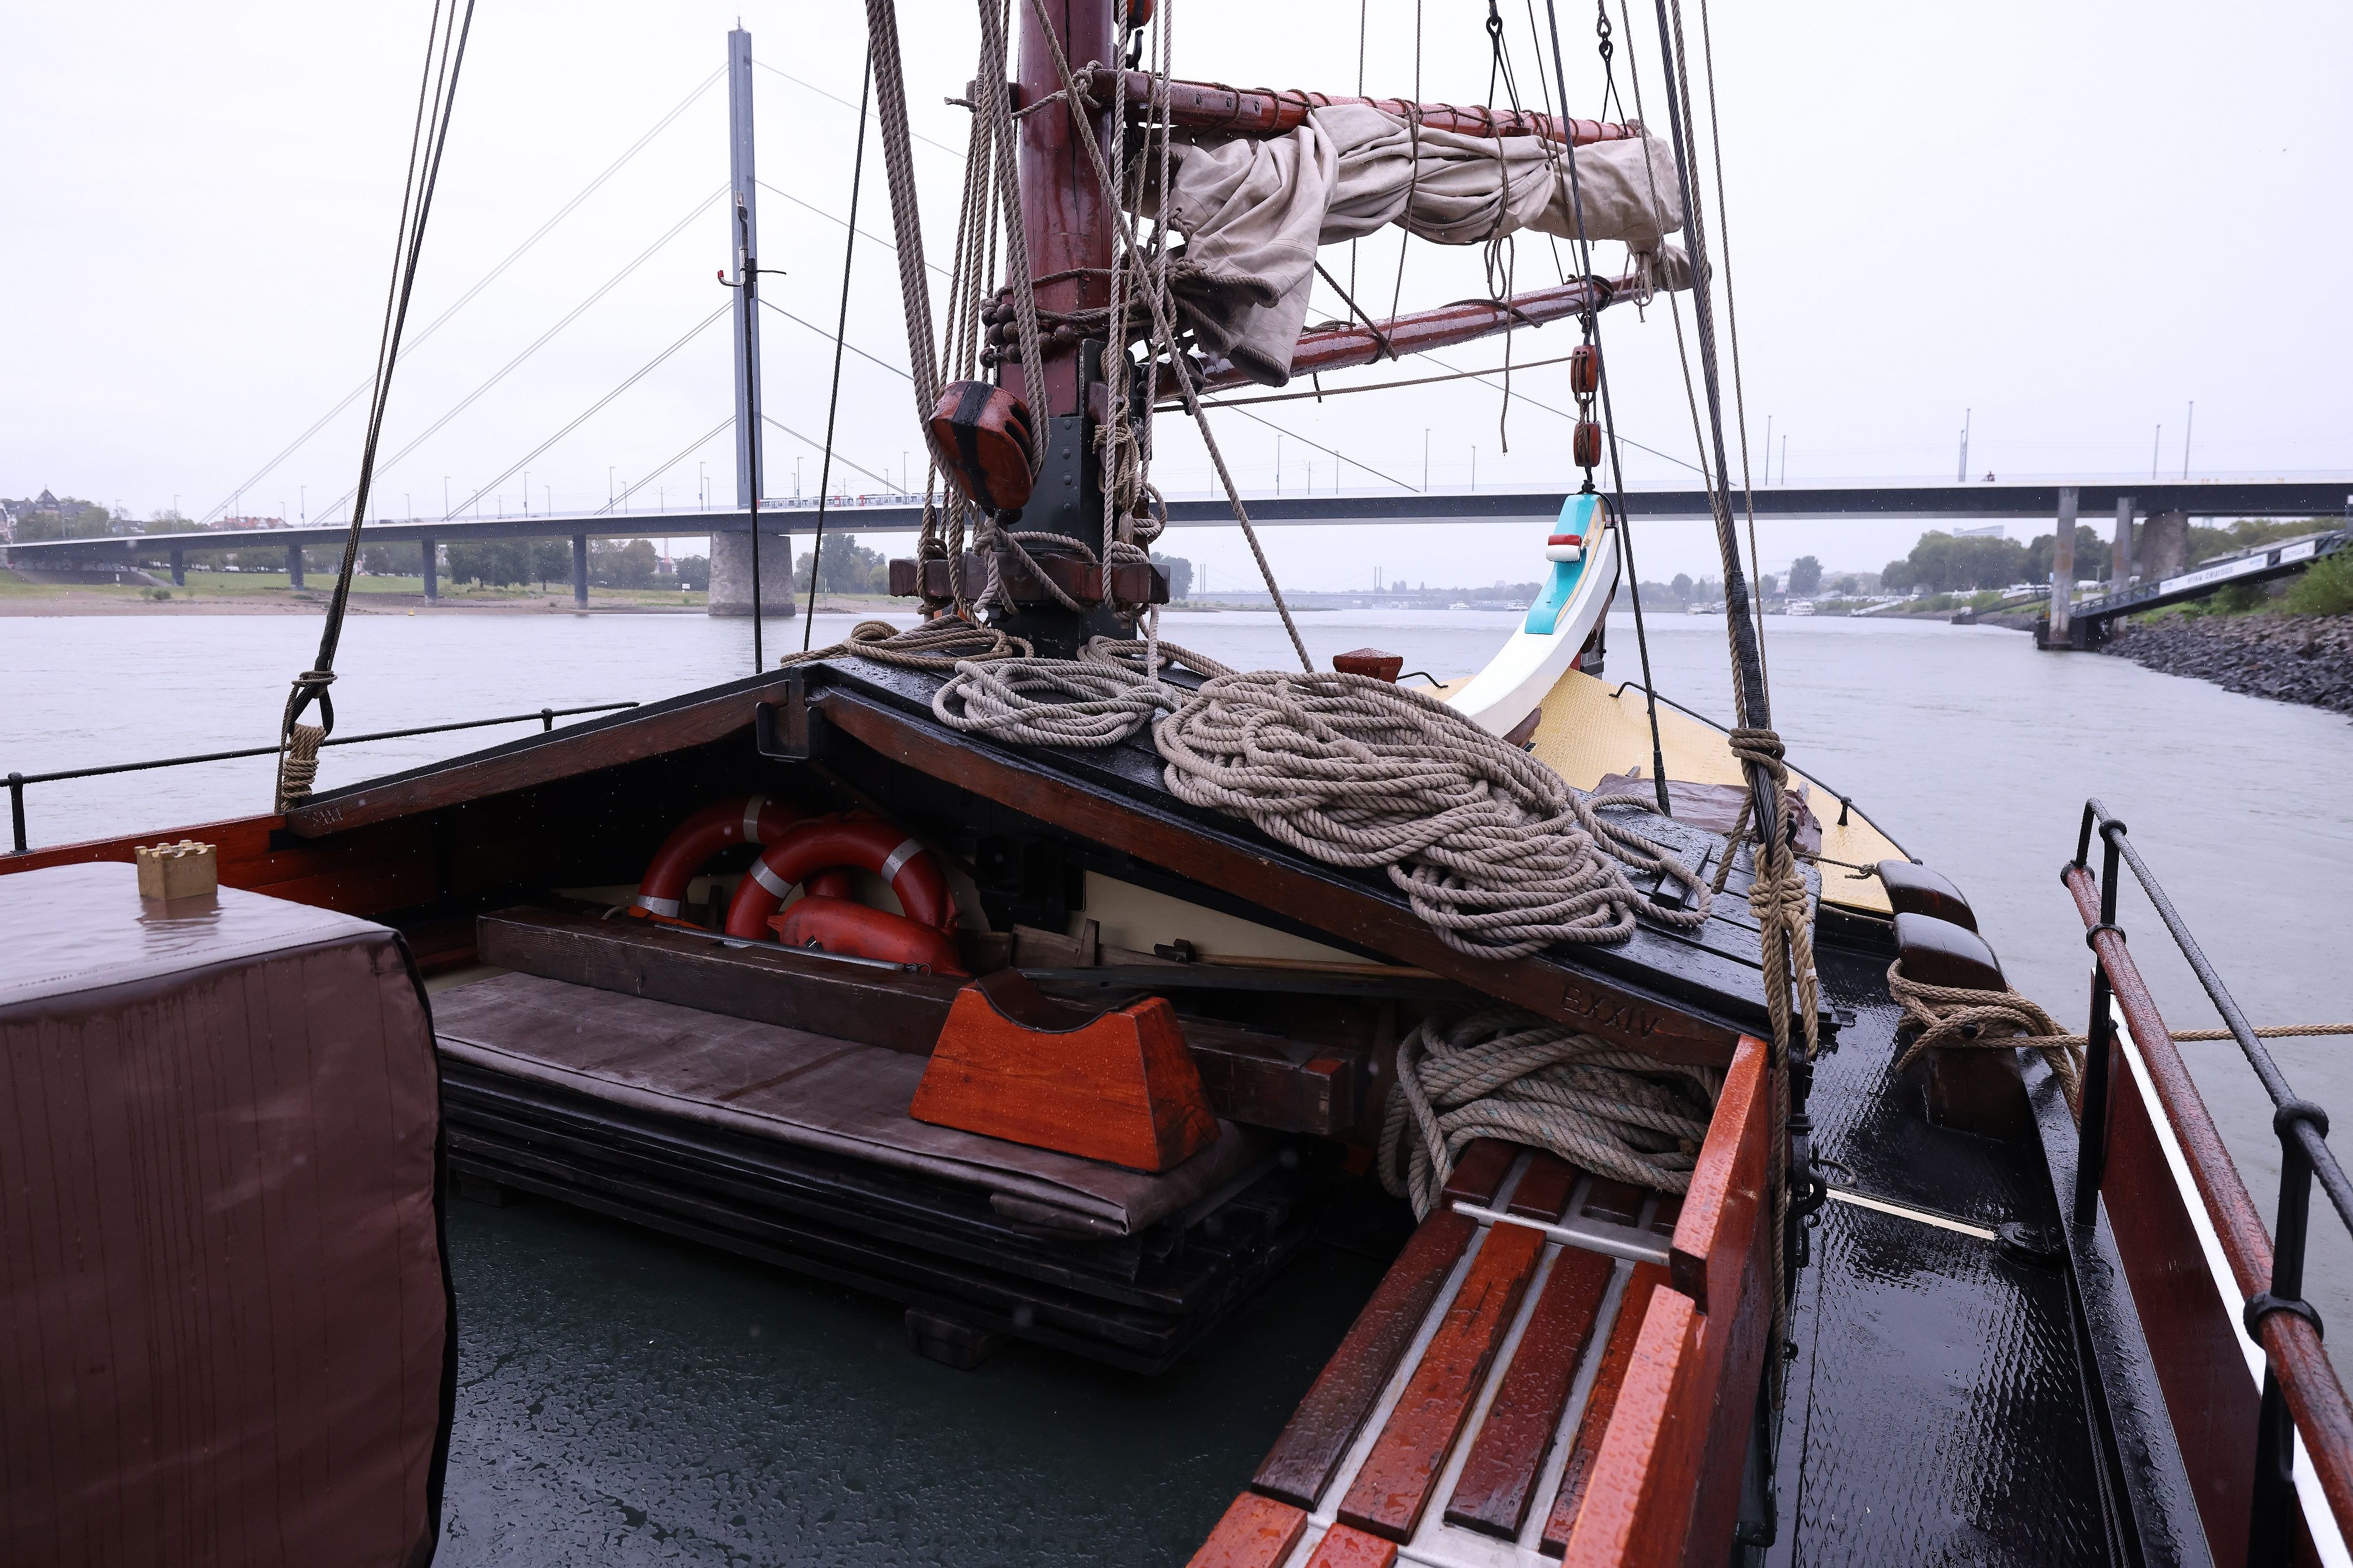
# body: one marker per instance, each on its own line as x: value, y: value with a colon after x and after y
x: 2289, y: 658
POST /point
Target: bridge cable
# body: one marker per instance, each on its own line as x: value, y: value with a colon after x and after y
x: 416, y: 340
x: 680, y: 456
x: 638, y: 375
x: 841, y: 327
x: 436, y: 100
x: 542, y: 340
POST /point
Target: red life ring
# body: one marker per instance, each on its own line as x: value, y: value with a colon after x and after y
x: 852, y: 930
x: 745, y: 820
x: 809, y: 852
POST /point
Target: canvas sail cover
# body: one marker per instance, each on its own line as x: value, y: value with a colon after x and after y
x: 1253, y: 211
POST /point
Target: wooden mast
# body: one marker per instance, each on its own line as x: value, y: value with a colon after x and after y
x: 1067, y: 224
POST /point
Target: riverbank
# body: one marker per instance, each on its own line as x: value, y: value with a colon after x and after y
x: 259, y: 594
x: 2307, y: 659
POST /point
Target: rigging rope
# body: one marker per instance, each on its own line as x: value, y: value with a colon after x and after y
x: 841, y: 331
x: 1592, y: 328
x: 1503, y: 1073
x: 436, y: 100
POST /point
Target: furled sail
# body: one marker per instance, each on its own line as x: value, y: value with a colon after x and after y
x: 1254, y: 209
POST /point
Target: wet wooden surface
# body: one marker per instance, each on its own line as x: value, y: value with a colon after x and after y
x: 1499, y: 1477
x: 1395, y: 1484
x: 1303, y: 1459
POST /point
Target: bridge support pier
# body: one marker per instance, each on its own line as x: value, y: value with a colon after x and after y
x: 2120, y: 555
x: 2164, y: 545
x: 179, y: 568
x: 579, y: 571
x: 2062, y: 571
x: 432, y: 550
x: 293, y: 566
x: 731, y: 576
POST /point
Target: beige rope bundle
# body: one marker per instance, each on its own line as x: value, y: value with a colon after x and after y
x: 1109, y: 692
x: 1950, y: 1017
x: 1503, y: 1073
x: 945, y: 643
x: 1493, y: 851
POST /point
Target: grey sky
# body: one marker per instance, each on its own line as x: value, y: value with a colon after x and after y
x: 2070, y: 219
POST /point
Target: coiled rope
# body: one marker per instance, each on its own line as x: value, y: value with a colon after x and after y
x: 945, y: 643
x: 1497, y: 855
x: 1503, y: 1073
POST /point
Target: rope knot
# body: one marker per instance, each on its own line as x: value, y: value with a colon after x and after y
x: 1959, y: 1017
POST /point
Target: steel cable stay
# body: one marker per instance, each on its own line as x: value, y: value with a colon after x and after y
x: 814, y: 445
x: 540, y: 342
x: 871, y: 238
x: 671, y: 462
x: 956, y: 152
x: 636, y: 376
x: 416, y: 340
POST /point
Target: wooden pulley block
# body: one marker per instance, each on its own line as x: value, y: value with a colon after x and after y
x: 981, y: 435
x: 1585, y: 369
x: 1588, y: 444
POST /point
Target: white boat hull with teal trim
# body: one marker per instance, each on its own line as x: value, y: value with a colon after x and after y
x: 1575, y: 597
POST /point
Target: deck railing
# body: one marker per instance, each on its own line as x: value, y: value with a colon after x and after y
x: 17, y: 782
x: 2301, y: 1390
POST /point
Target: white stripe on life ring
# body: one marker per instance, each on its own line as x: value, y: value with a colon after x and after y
x: 658, y: 905
x: 899, y: 858
x: 770, y: 880
x: 751, y: 809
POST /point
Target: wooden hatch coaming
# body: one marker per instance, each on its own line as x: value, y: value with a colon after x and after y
x: 1501, y: 1389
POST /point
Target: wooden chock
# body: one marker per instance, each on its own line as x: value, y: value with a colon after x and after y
x: 1117, y: 1086
x: 184, y: 871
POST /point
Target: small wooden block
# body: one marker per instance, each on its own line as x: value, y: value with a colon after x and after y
x: 1302, y: 1462
x: 1391, y: 1490
x: 1617, y: 1202
x: 1369, y: 661
x: 184, y: 871
x: 1479, y: 1171
x: 1256, y: 1532
x: 1118, y: 1086
x: 1345, y: 1548
x: 1670, y: 1209
x: 1544, y: 1188
x: 1594, y: 1425
x: 1499, y: 1478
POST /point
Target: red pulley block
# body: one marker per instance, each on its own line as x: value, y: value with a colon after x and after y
x: 981, y: 435
x: 1585, y: 369
x: 1588, y: 445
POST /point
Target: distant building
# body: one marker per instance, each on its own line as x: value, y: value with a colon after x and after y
x: 1991, y: 530
x: 250, y: 522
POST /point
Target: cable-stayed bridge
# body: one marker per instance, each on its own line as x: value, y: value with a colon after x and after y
x: 748, y: 425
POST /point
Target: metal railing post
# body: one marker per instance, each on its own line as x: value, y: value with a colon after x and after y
x: 2099, y: 1033
x: 546, y: 720
x: 2270, y: 1537
x: 16, y: 808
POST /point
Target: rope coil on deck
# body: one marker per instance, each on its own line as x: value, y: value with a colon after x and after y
x: 1503, y: 1073
x: 946, y: 642
x: 1495, y: 853
x: 1956, y: 1016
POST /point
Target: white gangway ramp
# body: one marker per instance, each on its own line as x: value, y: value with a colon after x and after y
x: 1583, y: 550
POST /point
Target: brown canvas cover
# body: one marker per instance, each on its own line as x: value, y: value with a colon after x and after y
x: 226, y: 1334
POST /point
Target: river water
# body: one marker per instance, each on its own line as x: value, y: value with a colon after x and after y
x: 632, y: 1400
